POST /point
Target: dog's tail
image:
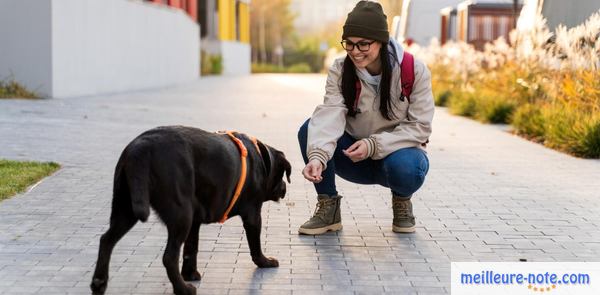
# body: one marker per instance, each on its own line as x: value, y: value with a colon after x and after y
x: 135, y: 172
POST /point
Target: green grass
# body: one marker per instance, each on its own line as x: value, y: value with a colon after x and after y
x: 12, y: 89
x: 16, y: 177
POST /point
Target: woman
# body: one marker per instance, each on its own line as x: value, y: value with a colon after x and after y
x: 378, y: 137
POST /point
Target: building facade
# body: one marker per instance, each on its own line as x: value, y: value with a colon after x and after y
x: 557, y: 12
x: 225, y: 32
x: 480, y: 22
x: 419, y: 21
x: 189, y: 6
x: 67, y: 48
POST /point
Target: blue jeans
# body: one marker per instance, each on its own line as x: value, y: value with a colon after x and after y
x: 403, y: 171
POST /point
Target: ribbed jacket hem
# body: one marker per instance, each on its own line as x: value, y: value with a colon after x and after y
x: 318, y: 155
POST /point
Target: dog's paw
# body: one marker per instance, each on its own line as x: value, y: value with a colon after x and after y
x: 266, y: 262
x: 187, y: 290
x: 191, y: 275
x: 98, y: 286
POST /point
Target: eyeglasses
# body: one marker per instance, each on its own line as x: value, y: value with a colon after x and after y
x: 363, y: 46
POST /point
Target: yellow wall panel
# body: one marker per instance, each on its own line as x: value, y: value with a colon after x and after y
x: 226, y: 19
x: 229, y: 22
x: 232, y: 20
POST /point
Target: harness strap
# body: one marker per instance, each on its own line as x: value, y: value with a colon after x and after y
x: 255, y: 142
x: 242, y: 180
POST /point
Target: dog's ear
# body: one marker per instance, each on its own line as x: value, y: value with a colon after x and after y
x: 266, y: 156
x: 288, y: 168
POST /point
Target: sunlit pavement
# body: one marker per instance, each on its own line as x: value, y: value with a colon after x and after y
x: 489, y: 196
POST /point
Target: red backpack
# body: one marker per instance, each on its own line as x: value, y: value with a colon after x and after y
x: 407, y: 77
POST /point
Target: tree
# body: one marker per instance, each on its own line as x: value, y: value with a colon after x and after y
x: 271, y: 27
x: 391, y: 8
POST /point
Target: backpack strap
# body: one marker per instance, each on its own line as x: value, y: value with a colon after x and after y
x: 358, y: 89
x: 407, y: 75
x: 407, y: 78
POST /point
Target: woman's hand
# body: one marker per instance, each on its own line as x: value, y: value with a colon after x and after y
x: 312, y: 171
x: 358, y: 151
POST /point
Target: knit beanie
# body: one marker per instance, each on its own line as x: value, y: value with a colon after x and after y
x: 367, y: 20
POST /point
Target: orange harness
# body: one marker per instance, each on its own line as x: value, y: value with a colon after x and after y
x: 243, y: 174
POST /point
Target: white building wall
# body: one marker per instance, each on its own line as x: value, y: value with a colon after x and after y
x: 25, y: 43
x: 236, y: 58
x: 104, y: 46
x: 567, y: 13
x: 421, y: 20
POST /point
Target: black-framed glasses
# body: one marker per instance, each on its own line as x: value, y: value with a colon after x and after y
x: 363, y: 46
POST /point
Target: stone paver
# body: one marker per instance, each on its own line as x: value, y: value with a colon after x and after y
x: 489, y: 196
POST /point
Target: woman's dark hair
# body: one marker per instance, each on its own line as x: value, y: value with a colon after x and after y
x: 349, y: 79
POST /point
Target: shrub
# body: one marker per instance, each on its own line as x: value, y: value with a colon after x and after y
x: 528, y: 120
x: 573, y: 131
x: 271, y: 68
x: 267, y: 68
x: 591, y: 141
x: 210, y: 64
x: 463, y: 104
x: 494, y: 109
x: 305, y: 50
x: 12, y: 89
x: 441, y: 99
x: 547, y: 85
x: 216, y: 62
x: 498, y: 112
x: 444, y: 84
x: 299, y: 68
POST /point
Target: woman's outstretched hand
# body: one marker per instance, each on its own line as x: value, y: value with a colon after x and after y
x: 357, y: 151
x: 312, y: 171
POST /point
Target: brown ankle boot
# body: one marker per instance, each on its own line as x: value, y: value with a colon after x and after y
x: 326, y: 218
x: 404, y: 220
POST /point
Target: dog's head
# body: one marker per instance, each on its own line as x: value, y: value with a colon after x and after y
x: 275, y: 166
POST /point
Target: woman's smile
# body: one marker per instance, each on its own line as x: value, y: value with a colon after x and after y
x: 367, y: 57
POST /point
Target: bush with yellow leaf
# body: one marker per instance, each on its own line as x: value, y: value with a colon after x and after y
x: 546, y: 85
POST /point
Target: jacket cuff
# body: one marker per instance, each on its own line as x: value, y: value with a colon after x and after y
x: 318, y: 155
x: 371, y: 146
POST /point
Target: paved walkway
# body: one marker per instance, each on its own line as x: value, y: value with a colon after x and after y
x: 489, y: 196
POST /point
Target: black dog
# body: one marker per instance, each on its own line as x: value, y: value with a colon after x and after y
x: 188, y: 176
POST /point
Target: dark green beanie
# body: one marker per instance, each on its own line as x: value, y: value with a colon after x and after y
x: 367, y: 20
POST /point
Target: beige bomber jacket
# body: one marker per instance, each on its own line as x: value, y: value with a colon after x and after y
x: 411, y: 128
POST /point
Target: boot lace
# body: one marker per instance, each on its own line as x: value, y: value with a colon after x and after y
x: 401, y: 209
x: 322, y: 208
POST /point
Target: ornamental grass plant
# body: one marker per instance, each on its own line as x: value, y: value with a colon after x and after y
x: 545, y: 84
